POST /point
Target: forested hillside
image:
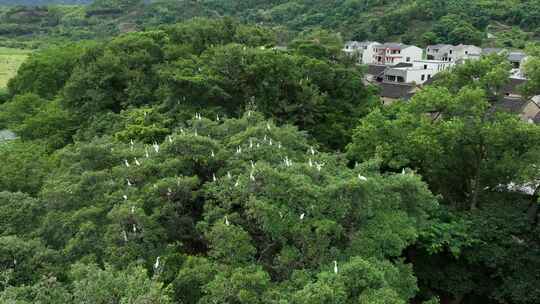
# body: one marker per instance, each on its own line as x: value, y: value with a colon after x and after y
x: 509, y: 23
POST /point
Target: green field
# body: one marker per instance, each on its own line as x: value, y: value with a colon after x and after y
x: 10, y: 60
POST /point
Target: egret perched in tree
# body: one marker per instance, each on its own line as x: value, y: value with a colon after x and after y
x: 156, y: 264
x: 134, y: 228
x: 268, y: 126
x: 310, y: 163
x: 239, y: 150
x: 227, y: 221
x: 124, y: 234
x: 212, y: 153
x: 229, y: 175
x: 312, y: 151
x: 335, y: 267
x: 132, y: 144
x: 137, y: 162
x: 302, y: 216
x: 237, y: 182
x: 251, y: 177
x: 362, y: 178
x: 251, y: 143
x: 279, y: 145
x: 403, y: 171
x: 128, y: 182
x: 156, y: 147
x: 169, y: 192
x: 214, y: 177
x: 146, y: 152
x: 270, y: 142
x: 252, y: 164
x: 125, y: 197
x: 126, y: 163
x: 319, y: 166
x: 170, y: 139
x: 217, y: 117
x: 132, y: 209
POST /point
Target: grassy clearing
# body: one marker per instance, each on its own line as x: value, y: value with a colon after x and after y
x: 10, y: 60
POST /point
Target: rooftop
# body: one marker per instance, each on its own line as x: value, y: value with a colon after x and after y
x: 396, y: 90
x: 394, y: 45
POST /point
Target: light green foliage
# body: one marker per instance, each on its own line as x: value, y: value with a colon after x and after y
x: 10, y: 61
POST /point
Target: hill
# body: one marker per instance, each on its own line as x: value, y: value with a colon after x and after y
x: 41, y: 2
x: 508, y: 23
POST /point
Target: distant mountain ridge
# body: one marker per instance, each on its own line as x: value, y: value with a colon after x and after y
x: 41, y: 2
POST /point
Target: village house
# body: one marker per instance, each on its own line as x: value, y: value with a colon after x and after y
x: 420, y: 72
x: 364, y: 50
x: 394, y: 53
x: 452, y: 53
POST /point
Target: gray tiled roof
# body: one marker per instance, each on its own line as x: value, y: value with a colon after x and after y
x: 395, y: 45
x: 511, y: 105
x: 396, y: 90
x: 516, y: 56
x: 376, y: 69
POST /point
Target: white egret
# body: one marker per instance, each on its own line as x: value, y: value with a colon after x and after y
x: 134, y: 228
x: 214, y: 177
x: 335, y: 267
x: 251, y: 177
x: 229, y: 176
x: 170, y: 138
x: 227, y: 221
x: 137, y: 162
x: 126, y: 163
x: 125, y: 197
x: 146, y: 152
x: 212, y: 154
x: 128, y: 182
x: 302, y: 216
x: 132, y: 209
x: 362, y: 178
x: 156, y: 264
x: 124, y: 234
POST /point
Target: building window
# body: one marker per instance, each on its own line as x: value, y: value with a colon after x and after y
x: 423, y: 77
x: 450, y: 51
x: 429, y: 76
x: 466, y: 52
x: 408, y: 59
x: 425, y: 66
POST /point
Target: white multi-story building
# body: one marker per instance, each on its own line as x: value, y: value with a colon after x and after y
x: 365, y: 50
x: 452, y: 53
x: 394, y: 53
x: 420, y: 72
